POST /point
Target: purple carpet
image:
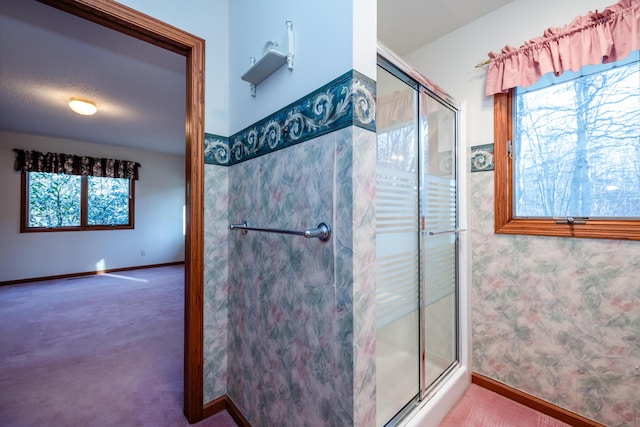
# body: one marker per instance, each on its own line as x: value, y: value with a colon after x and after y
x: 102, y: 350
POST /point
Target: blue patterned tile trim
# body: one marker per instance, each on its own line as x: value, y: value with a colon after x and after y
x: 348, y: 100
x: 482, y: 158
x: 216, y: 149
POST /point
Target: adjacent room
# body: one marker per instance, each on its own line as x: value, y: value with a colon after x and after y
x: 71, y: 336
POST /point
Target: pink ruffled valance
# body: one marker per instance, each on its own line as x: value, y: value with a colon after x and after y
x: 607, y: 36
x: 395, y: 109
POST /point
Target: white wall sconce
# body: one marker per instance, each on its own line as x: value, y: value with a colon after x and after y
x: 271, y: 60
x: 83, y: 107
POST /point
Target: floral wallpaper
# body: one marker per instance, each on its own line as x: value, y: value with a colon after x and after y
x: 216, y: 288
x: 555, y: 317
x: 292, y: 357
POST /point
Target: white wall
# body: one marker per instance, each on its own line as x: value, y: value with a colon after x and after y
x: 324, y: 49
x: 158, y: 216
x: 207, y: 19
x: 365, y: 36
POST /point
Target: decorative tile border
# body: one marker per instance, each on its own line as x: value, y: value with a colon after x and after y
x: 216, y: 149
x: 482, y: 158
x: 348, y: 100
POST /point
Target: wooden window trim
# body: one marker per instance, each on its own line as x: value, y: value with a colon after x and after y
x: 505, y: 223
x: 84, y: 226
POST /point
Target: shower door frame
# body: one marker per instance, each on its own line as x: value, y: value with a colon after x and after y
x: 436, y: 399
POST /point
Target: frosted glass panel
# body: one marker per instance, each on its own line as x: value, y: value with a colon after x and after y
x: 416, y: 272
x: 397, y: 243
x: 438, y: 251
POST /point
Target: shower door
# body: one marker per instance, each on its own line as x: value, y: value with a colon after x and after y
x: 416, y: 240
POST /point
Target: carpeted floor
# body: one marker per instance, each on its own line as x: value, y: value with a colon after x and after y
x: 102, y: 350
x: 480, y: 407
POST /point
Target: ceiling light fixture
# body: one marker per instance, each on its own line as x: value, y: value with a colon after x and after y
x: 83, y: 106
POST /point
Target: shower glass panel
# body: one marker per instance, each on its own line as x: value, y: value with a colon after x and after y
x: 397, y: 243
x: 416, y: 240
x: 439, y: 237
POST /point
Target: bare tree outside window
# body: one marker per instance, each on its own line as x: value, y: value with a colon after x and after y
x: 577, y: 147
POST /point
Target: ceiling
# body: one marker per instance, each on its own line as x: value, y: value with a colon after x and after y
x: 48, y: 56
x: 405, y: 25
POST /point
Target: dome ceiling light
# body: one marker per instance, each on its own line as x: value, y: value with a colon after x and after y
x: 83, y: 106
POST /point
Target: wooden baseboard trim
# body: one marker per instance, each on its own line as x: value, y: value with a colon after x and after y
x: 222, y: 403
x: 235, y: 413
x: 533, y: 402
x: 215, y: 406
x: 87, y: 273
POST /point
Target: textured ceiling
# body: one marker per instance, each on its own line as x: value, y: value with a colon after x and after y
x: 48, y: 56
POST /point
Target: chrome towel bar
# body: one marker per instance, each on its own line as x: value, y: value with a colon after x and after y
x: 435, y: 233
x: 322, y: 231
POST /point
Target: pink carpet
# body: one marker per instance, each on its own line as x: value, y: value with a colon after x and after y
x: 480, y: 407
x: 95, y: 351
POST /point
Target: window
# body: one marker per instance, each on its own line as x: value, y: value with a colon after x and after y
x: 60, y: 202
x: 568, y: 154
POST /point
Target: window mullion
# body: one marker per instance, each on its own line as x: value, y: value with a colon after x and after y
x: 84, y: 197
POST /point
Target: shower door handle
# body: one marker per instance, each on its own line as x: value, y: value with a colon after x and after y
x: 455, y: 230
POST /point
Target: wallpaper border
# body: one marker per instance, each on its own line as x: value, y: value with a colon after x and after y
x: 482, y: 158
x: 349, y: 100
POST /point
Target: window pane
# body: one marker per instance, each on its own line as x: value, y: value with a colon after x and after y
x: 577, y: 146
x: 54, y: 200
x: 108, y: 201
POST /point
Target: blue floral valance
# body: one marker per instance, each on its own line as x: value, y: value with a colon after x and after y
x: 35, y: 161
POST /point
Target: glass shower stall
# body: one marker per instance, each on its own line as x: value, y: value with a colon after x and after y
x: 418, y: 229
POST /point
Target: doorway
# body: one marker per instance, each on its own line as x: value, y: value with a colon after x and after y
x: 128, y: 21
x: 418, y: 227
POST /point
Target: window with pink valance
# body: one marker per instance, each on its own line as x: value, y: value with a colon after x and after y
x: 606, y: 36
